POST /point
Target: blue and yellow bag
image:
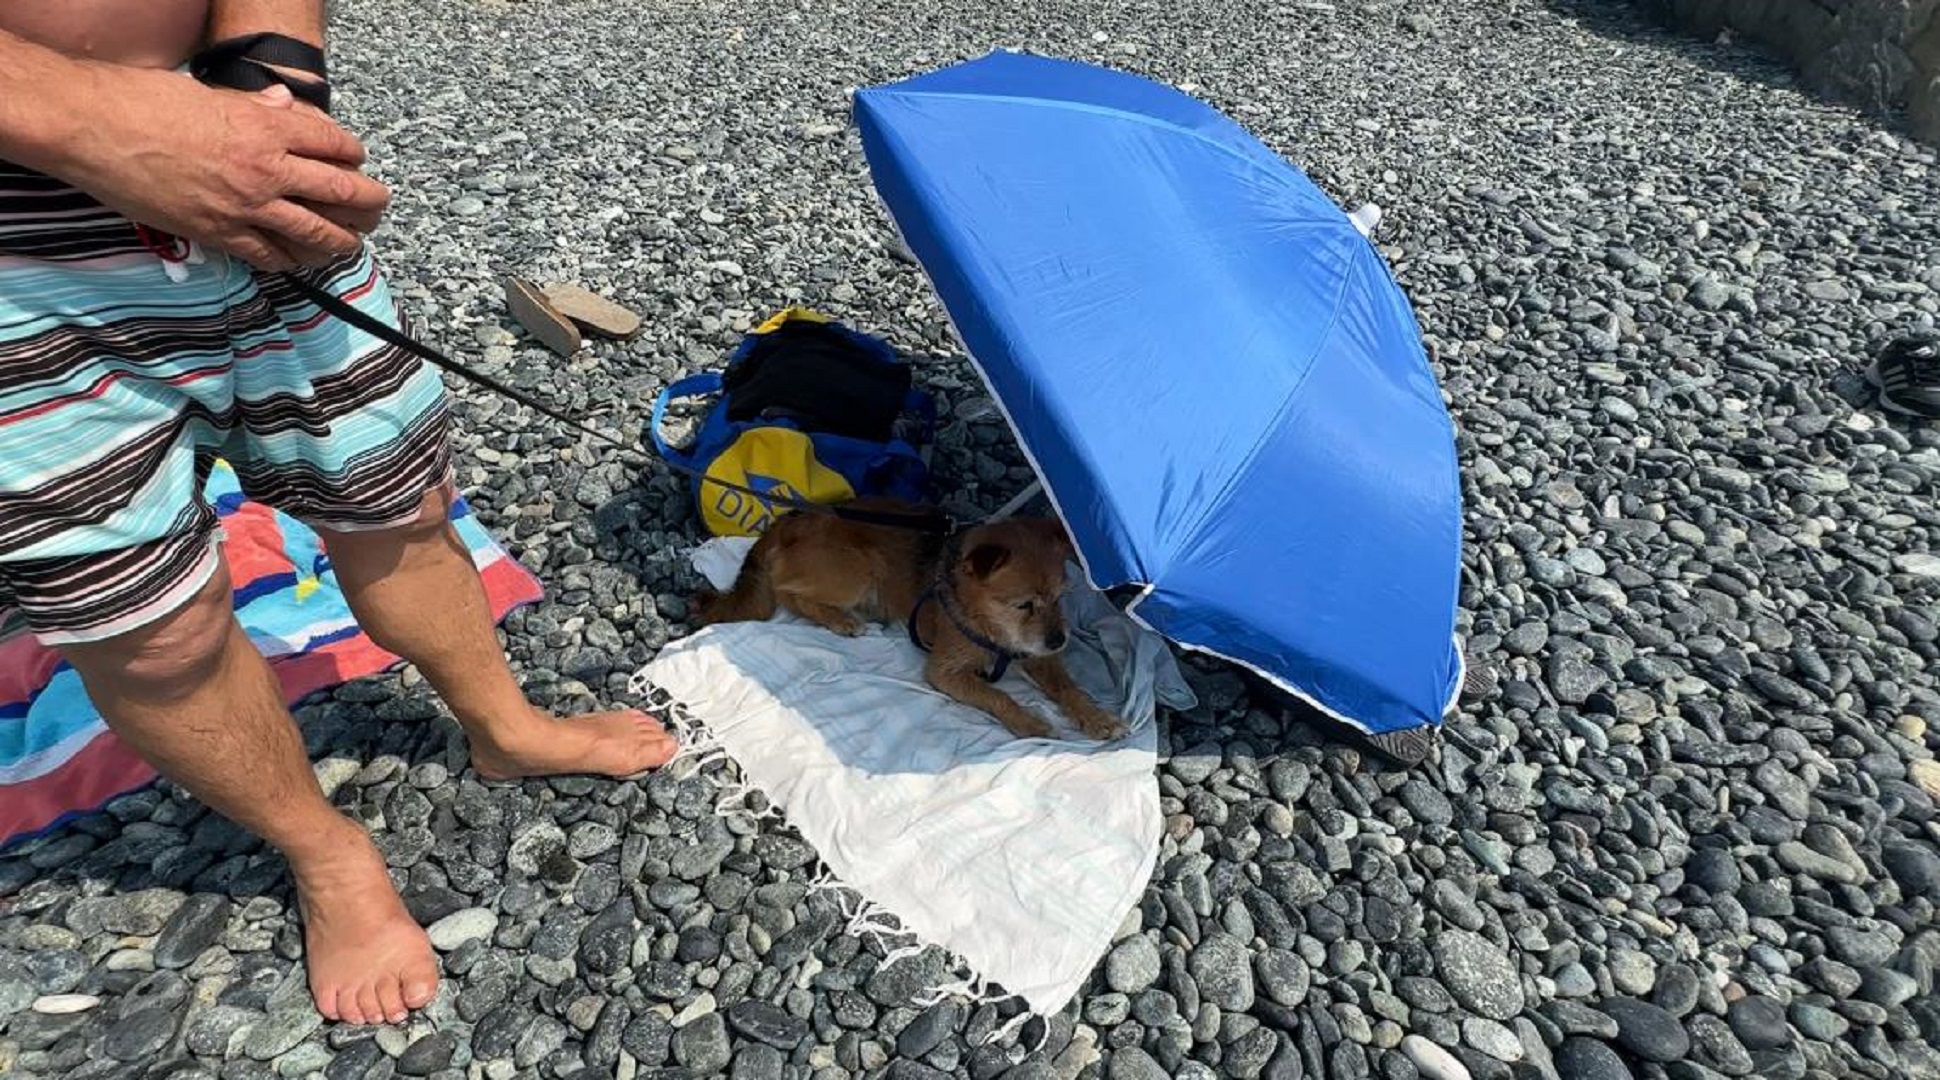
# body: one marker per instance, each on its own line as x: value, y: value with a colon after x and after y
x: 810, y: 411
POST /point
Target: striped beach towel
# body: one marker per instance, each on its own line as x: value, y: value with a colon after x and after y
x: 58, y: 760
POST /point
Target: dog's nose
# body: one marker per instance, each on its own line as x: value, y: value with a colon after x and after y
x: 1055, y: 640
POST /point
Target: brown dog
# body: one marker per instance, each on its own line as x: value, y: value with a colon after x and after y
x: 975, y: 602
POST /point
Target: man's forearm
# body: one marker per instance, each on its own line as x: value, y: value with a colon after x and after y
x: 300, y: 19
x: 42, y: 93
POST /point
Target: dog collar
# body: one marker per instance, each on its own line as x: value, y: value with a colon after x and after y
x: 1000, y: 656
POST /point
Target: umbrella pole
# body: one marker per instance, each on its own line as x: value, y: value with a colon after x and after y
x: 1017, y: 501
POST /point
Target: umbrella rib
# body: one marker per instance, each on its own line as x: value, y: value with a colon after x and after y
x: 1136, y: 118
x: 1305, y: 221
x: 1218, y: 502
x: 983, y: 376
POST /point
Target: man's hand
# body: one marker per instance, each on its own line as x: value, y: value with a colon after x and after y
x: 248, y: 174
x: 358, y: 220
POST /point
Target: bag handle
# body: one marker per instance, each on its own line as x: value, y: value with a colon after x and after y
x: 707, y: 382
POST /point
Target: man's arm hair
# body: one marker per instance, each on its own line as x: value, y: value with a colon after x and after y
x: 42, y: 96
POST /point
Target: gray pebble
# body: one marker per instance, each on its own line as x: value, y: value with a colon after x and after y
x: 1478, y: 973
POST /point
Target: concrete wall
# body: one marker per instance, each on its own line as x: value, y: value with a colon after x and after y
x: 1876, y: 54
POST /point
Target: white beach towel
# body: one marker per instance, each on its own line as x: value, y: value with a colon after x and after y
x: 1020, y: 857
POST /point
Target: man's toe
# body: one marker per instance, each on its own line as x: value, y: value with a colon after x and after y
x: 345, y: 1010
x: 367, y: 1004
x: 419, y: 990
x: 390, y: 994
x: 327, y: 1003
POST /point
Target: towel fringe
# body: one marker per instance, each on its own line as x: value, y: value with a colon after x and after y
x: 902, y: 952
x: 701, y: 749
x: 968, y: 989
x: 1013, y: 1026
x: 870, y: 922
x: 735, y: 790
x: 976, y: 990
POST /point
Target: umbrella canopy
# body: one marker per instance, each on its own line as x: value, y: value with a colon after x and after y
x: 1214, y: 375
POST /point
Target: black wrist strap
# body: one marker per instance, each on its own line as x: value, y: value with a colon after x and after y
x: 242, y: 63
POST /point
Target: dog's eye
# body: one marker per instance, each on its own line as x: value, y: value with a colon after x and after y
x: 1027, y: 606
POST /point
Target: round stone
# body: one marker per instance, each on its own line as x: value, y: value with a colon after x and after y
x: 1582, y: 1058
x: 1433, y: 1062
x: 1492, y: 1038
x: 1649, y: 1032
x: 1133, y: 965
x: 1478, y: 973
x: 64, y: 1004
x: 459, y: 927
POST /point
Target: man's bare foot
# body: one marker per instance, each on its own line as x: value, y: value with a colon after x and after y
x: 602, y: 744
x: 369, y: 961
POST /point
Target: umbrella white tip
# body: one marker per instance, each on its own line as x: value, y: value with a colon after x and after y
x: 1366, y: 219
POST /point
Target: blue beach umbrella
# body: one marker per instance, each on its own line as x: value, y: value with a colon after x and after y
x: 1217, y: 381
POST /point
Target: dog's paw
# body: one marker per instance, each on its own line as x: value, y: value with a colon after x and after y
x: 844, y: 624
x: 1098, y: 724
x: 1027, y: 726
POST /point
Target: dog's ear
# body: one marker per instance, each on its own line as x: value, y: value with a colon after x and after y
x: 986, y: 559
x: 1055, y: 534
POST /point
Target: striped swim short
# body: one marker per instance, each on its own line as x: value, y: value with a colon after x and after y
x: 126, y: 371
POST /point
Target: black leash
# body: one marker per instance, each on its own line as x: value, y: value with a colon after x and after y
x: 1000, y: 656
x: 249, y: 63
x: 943, y: 592
x: 932, y: 521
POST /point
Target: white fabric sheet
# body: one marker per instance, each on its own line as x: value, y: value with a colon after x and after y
x: 1020, y: 857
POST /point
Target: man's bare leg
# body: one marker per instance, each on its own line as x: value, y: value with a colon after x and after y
x: 416, y: 592
x: 194, y: 698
